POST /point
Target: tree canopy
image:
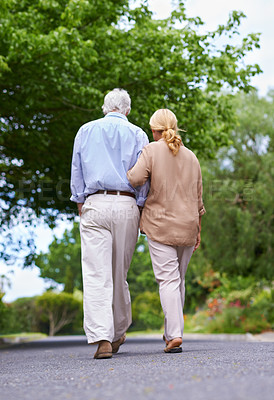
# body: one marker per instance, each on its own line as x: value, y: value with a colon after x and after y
x: 62, y: 262
x: 239, y: 192
x: 58, y: 58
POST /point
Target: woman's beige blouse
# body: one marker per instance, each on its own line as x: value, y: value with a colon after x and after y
x: 174, y: 203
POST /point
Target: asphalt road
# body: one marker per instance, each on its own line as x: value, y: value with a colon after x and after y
x: 205, y: 370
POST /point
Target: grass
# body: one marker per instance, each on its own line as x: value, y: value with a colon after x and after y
x: 20, y: 337
x: 189, y: 327
x: 147, y: 332
x: 23, y: 334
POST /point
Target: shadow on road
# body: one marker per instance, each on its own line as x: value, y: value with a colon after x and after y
x: 76, y: 341
x: 64, y: 341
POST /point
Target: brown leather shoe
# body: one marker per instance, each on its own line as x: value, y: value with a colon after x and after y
x: 115, y: 345
x: 104, y: 350
x: 174, y: 346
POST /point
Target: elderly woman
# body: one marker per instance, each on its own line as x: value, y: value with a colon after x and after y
x: 171, y: 217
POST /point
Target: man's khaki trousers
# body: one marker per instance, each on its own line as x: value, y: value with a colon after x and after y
x: 170, y: 265
x: 109, y: 232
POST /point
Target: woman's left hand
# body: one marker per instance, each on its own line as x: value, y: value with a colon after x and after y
x: 198, y: 241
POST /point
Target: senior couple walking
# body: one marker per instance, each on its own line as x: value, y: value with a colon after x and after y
x: 122, y: 183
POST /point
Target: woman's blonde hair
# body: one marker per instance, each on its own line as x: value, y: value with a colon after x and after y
x: 165, y: 122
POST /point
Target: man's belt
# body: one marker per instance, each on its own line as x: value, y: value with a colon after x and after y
x: 115, y: 192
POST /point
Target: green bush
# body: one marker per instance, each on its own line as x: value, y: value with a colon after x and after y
x: 54, y: 312
x: 3, y: 314
x: 235, y: 287
x: 264, y: 304
x: 227, y: 310
x: 57, y: 310
x: 201, y: 280
x: 19, y: 316
x: 147, y: 312
x: 237, y: 320
x: 25, y: 312
x: 76, y: 326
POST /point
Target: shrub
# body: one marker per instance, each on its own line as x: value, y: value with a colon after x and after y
x: 25, y: 313
x: 238, y: 320
x: 264, y: 304
x: 76, y: 326
x: 18, y: 316
x: 147, y: 311
x: 57, y: 309
x: 3, y: 314
x: 248, y: 309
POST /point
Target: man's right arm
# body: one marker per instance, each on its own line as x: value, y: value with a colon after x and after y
x: 77, y: 183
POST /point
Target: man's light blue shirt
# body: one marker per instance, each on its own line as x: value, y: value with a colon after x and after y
x: 104, y: 150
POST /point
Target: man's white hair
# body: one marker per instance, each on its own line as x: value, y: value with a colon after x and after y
x: 117, y: 100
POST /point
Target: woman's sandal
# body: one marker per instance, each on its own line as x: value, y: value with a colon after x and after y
x: 174, y: 345
x: 165, y: 340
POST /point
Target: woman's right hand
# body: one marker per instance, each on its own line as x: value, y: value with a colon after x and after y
x: 198, y: 241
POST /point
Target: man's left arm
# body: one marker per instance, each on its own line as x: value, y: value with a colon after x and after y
x: 77, y: 183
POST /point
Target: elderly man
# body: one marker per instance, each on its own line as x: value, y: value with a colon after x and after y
x: 104, y: 150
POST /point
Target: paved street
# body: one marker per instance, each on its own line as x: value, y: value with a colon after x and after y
x: 206, y: 370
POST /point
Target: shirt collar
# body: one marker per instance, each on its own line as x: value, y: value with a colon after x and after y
x: 116, y: 114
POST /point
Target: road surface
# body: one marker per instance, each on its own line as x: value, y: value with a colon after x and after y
x: 64, y: 368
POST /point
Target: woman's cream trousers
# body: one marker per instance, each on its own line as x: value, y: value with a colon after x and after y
x: 169, y: 266
x: 109, y: 231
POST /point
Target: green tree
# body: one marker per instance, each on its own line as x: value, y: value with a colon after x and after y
x: 238, y: 227
x: 62, y: 262
x: 58, y: 58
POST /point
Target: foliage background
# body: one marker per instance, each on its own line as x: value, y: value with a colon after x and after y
x: 58, y: 58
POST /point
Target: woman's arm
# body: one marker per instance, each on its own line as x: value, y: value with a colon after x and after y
x: 140, y: 173
x: 201, y: 208
x: 198, y: 240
